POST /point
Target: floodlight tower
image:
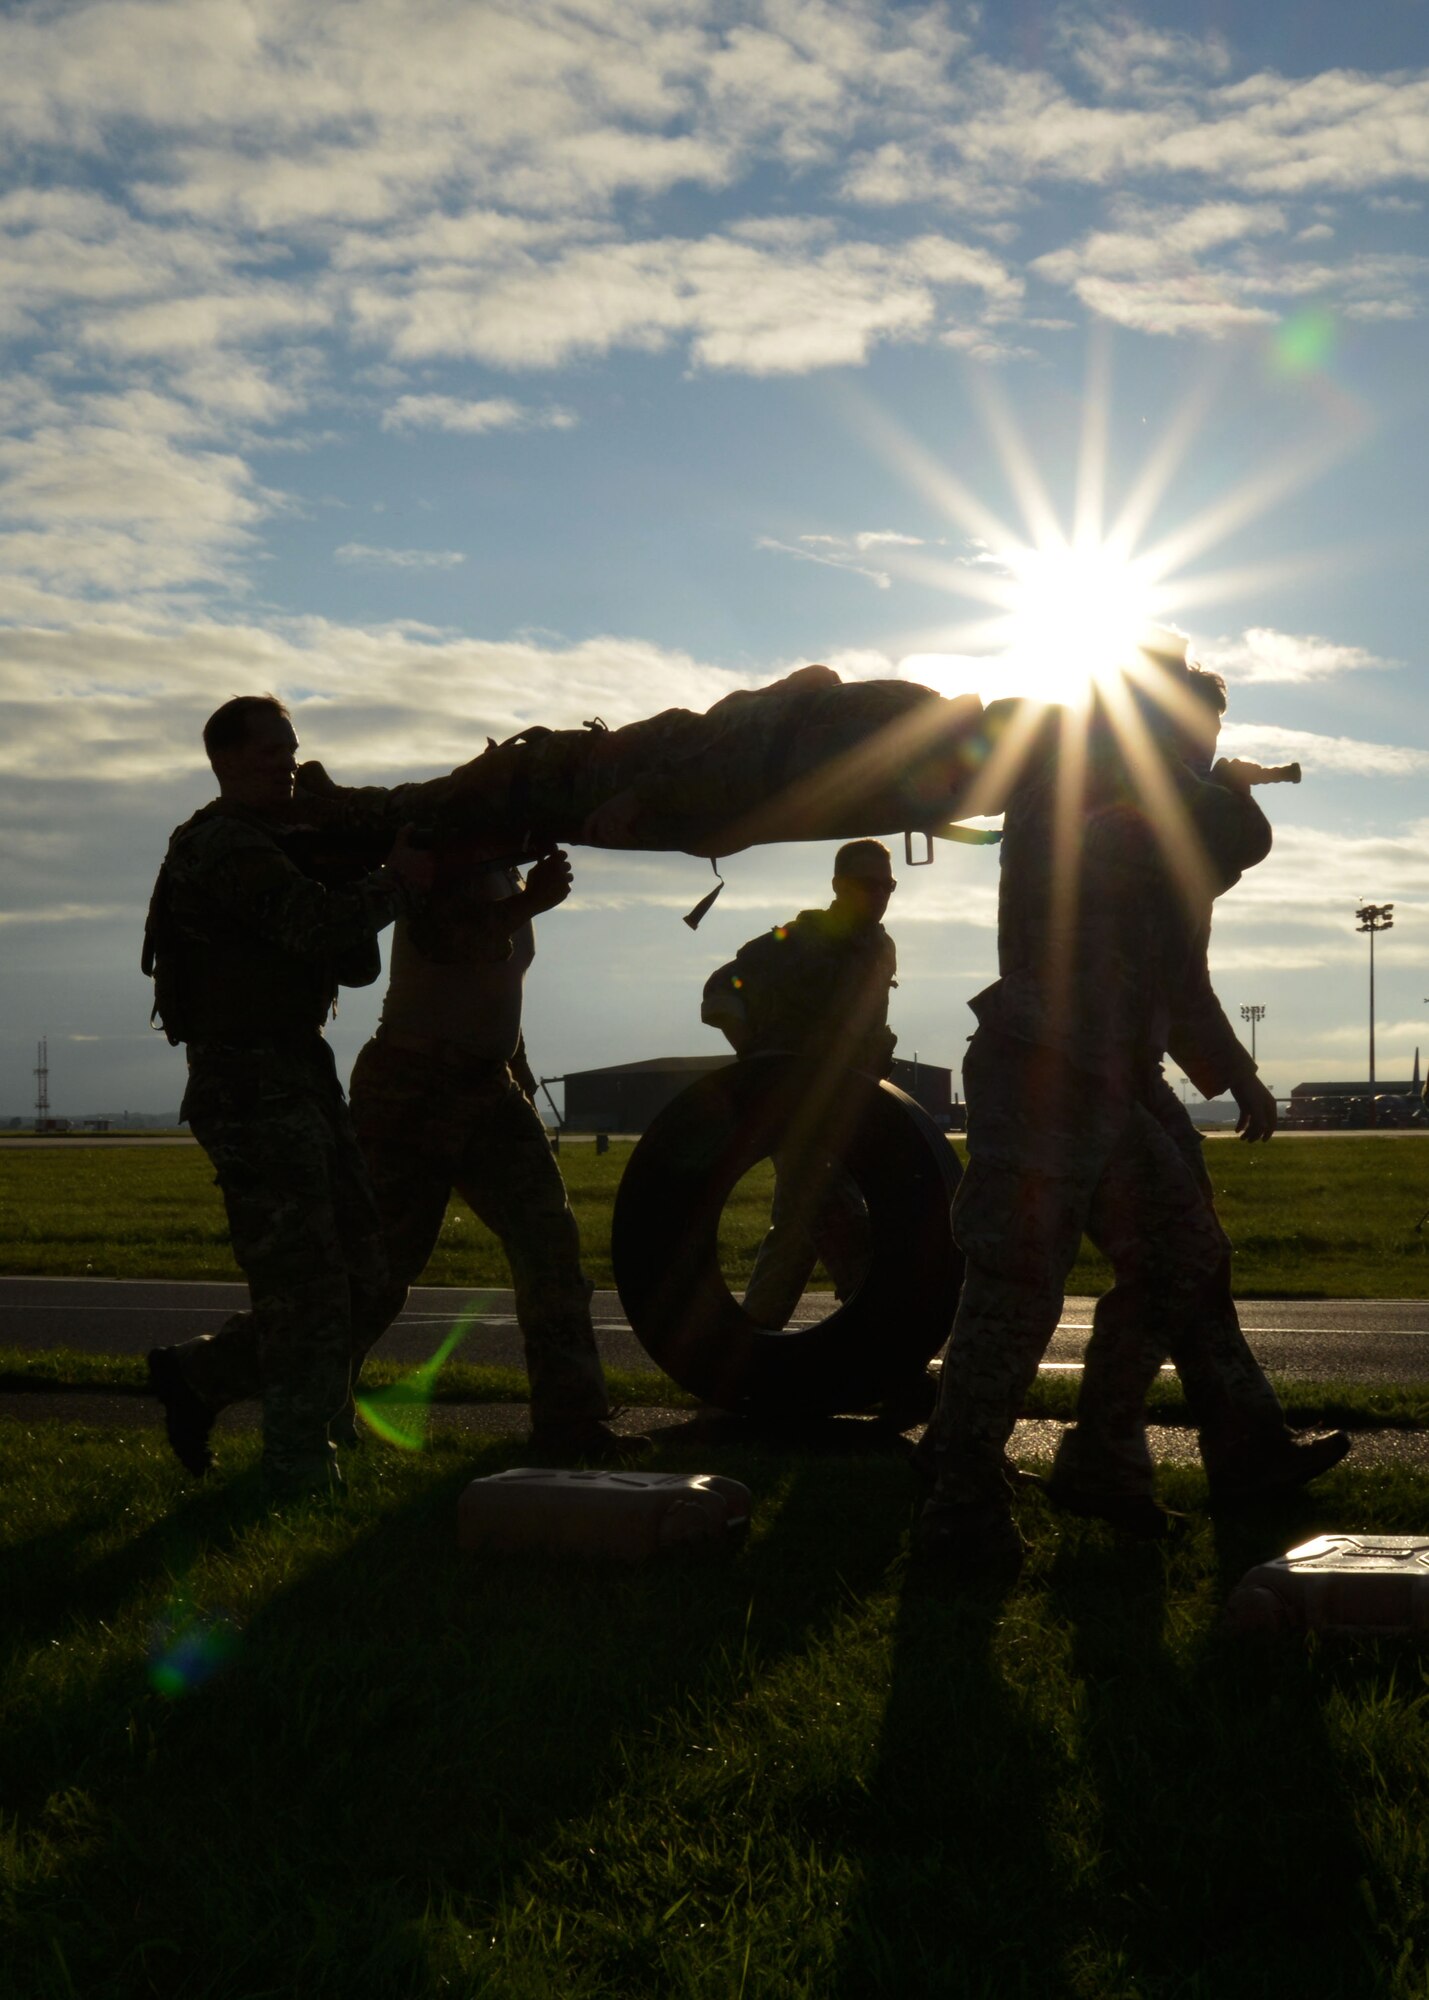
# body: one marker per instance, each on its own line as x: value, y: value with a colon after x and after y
x: 1253, y: 1015
x: 42, y: 1085
x: 1372, y: 918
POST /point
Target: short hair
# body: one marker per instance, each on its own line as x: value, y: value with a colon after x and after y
x: 1207, y: 686
x: 227, y: 728
x: 854, y: 851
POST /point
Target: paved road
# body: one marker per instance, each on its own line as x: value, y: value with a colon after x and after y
x: 1361, y: 1340
x: 1366, y: 1341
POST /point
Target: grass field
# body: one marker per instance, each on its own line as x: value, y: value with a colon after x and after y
x: 1310, y: 1218
x: 811, y: 1770
x: 320, y: 1753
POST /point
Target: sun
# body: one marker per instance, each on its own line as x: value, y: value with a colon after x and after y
x: 1062, y: 618
x: 1061, y: 604
x: 1075, y: 616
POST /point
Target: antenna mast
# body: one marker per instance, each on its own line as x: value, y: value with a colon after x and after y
x: 42, y: 1086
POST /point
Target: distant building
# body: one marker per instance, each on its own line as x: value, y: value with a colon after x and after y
x: 1322, y: 1106
x: 627, y: 1096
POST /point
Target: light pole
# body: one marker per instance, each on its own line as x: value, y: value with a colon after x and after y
x: 1253, y: 1015
x: 1372, y: 918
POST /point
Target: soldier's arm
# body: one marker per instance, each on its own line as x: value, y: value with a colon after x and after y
x: 1202, y: 1040
x: 247, y: 879
x: 1233, y: 830
x: 1206, y: 1046
x: 722, y: 1005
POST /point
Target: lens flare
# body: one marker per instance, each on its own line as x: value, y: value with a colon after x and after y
x: 187, y: 1648
x: 1305, y: 343
x: 399, y: 1415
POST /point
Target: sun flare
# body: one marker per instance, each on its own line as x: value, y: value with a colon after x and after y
x: 1075, y: 615
x: 1057, y: 605
x: 1062, y: 618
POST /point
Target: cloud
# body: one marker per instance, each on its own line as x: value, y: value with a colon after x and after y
x: 364, y: 555
x: 740, y: 304
x: 880, y: 538
x: 199, y: 323
x: 1312, y: 881
x: 63, y: 913
x: 809, y: 549
x: 1269, y: 743
x: 1262, y: 655
x: 126, y: 496
x: 1148, y: 272
x: 451, y: 413
x: 122, y: 701
x: 1119, y: 54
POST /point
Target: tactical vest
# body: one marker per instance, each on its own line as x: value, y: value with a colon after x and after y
x: 226, y: 988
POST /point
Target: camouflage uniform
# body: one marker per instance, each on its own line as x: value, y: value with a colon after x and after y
x: 817, y: 988
x: 436, y: 1116
x: 1072, y: 1130
x: 250, y: 954
x: 431, y: 1124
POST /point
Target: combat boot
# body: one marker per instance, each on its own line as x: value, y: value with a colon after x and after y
x: 1267, y: 1469
x: 1086, y: 1481
x: 1139, y: 1516
x: 188, y: 1420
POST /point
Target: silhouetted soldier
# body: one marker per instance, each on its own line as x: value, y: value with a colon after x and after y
x: 1113, y: 850
x: 248, y: 953
x: 442, y: 1102
x: 816, y: 988
x: 1247, y: 1447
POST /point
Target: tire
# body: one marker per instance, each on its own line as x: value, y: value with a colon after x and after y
x: 665, y: 1245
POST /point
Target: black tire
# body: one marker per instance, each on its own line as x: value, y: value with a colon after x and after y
x: 665, y: 1245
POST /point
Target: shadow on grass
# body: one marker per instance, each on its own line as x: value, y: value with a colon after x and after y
x: 403, y: 1729
x: 1226, y: 1839
x: 954, y: 1826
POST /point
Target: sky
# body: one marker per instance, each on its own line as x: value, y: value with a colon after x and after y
x: 450, y: 366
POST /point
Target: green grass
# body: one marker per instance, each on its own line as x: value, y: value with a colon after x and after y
x: 1310, y: 1218
x: 810, y: 1771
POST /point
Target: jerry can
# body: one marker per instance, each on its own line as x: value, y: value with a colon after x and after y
x: 625, y: 1516
x: 1337, y: 1583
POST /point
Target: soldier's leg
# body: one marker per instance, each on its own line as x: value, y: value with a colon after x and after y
x: 276, y: 1173
x: 228, y: 1360
x: 1246, y: 1445
x: 402, y: 1125
x: 409, y: 1128
x: 841, y: 1233
x: 1037, y: 1139
x: 788, y: 1254
x: 509, y: 1177
x: 1230, y: 1399
x: 1165, y: 1246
